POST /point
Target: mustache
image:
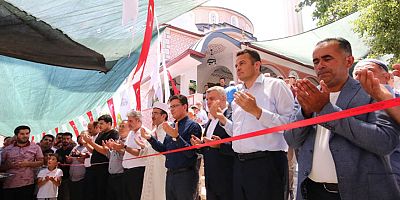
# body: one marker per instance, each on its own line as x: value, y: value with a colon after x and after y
x: 322, y: 72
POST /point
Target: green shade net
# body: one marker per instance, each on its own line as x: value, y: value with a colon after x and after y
x: 300, y: 47
x: 46, y: 96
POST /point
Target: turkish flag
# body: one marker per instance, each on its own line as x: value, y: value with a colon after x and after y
x: 72, y: 123
x: 136, y: 88
x: 148, y: 34
x: 90, y: 115
x: 56, y: 129
x: 110, y: 103
x: 44, y: 133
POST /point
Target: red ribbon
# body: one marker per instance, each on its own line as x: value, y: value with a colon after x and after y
x: 307, y: 122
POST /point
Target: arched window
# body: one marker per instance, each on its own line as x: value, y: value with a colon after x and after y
x: 213, y: 18
x: 234, y: 21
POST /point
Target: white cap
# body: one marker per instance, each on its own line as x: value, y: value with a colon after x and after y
x: 161, y: 106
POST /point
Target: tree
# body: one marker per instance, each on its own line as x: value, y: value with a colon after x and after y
x: 378, y: 23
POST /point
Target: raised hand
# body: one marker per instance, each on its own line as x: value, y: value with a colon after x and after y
x: 372, y: 85
x: 310, y: 97
x: 213, y: 138
x: 195, y: 140
x: 216, y: 111
x: 173, y: 132
x: 248, y: 103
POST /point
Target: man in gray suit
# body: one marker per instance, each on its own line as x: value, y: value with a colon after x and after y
x: 342, y: 159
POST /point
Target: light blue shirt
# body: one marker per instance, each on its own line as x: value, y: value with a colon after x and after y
x: 277, y: 103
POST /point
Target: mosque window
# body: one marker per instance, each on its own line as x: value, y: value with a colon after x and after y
x: 234, y: 21
x: 213, y: 17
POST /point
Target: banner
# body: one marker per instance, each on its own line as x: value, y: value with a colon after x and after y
x: 90, y: 116
x: 176, y: 91
x: 83, y: 122
x: 72, y: 123
x: 136, y: 89
x: 125, y: 104
x: 129, y: 12
x: 147, y: 37
x: 110, y: 104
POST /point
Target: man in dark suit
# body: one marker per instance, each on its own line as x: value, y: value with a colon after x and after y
x: 218, y: 159
x: 347, y: 158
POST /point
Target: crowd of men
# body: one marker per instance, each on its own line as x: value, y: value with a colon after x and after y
x: 352, y: 158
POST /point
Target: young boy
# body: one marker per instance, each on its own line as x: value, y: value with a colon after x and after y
x: 49, y: 179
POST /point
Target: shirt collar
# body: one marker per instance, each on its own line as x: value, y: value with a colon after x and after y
x: 25, y: 145
x: 260, y: 79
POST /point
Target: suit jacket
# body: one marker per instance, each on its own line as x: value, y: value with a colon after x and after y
x: 218, y: 163
x: 359, y: 147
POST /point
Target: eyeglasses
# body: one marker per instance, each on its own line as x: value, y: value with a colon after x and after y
x: 174, y: 106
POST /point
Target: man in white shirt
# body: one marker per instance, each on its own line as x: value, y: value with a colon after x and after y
x: 155, y: 173
x: 260, y: 167
x: 133, y: 168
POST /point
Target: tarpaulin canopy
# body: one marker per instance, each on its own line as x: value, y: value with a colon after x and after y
x: 96, y: 24
x: 45, y: 96
x: 22, y: 36
x: 300, y: 47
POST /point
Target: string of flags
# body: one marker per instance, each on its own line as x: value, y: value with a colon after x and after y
x: 119, y: 105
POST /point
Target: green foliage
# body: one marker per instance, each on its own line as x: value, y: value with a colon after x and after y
x: 378, y: 24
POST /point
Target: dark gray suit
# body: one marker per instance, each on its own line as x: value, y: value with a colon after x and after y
x: 218, y: 165
x: 359, y: 147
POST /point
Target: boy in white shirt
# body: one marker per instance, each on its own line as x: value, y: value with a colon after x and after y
x: 49, y: 179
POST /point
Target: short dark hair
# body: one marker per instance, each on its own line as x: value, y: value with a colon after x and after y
x: 192, y: 89
x: 54, y: 155
x: 60, y: 133
x: 107, y: 118
x: 48, y: 151
x: 48, y: 135
x: 6, y: 138
x: 67, y: 134
x: 222, y: 78
x: 164, y: 113
x: 253, y: 55
x: 343, y: 44
x: 182, y: 99
x: 22, y: 127
x: 95, y: 123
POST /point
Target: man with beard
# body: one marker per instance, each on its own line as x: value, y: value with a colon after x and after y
x: 154, y: 176
x: 20, y: 159
x: 63, y: 152
x: 46, y: 143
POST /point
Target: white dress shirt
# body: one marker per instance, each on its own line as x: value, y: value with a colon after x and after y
x: 323, y: 167
x: 277, y: 103
x: 128, y: 162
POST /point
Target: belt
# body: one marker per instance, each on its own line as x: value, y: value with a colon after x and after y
x: 253, y: 155
x: 329, y: 187
x: 180, y: 170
